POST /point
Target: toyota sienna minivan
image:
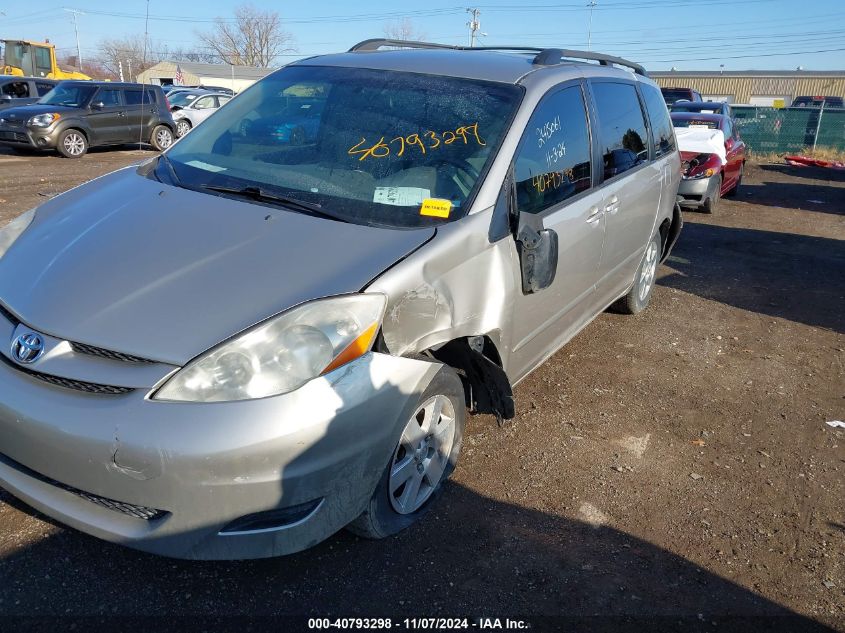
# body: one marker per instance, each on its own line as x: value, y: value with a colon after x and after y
x: 242, y: 346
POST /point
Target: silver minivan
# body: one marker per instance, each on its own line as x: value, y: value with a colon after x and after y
x: 260, y: 337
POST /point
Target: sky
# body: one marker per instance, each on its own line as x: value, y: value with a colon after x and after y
x: 660, y: 34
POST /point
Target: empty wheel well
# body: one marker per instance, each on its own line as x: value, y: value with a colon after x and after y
x: 479, y: 365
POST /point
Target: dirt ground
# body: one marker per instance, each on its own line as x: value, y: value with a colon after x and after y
x: 672, y: 469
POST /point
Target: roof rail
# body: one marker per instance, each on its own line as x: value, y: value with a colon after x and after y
x: 544, y: 57
x: 551, y: 56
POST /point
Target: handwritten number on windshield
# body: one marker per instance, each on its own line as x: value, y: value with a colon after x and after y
x: 381, y: 149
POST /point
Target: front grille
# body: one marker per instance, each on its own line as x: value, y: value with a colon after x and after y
x: 82, y: 348
x: 18, y: 137
x: 130, y: 509
x: 68, y: 383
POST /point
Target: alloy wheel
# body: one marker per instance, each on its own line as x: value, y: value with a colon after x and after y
x: 422, y: 455
x: 74, y: 144
x: 164, y: 138
x: 648, y: 271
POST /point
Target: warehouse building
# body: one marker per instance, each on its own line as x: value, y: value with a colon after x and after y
x: 756, y: 87
x: 235, y: 77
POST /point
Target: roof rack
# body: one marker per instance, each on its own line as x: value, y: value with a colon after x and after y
x: 544, y: 57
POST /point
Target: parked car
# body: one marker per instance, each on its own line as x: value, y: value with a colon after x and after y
x: 76, y: 115
x: 16, y: 91
x: 234, y: 350
x: 184, y: 96
x: 713, y: 156
x: 673, y: 95
x: 817, y: 102
x: 168, y: 88
x: 197, y: 111
x: 704, y: 107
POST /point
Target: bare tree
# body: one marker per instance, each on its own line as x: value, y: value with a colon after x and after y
x: 403, y: 29
x: 253, y: 38
x: 131, y: 53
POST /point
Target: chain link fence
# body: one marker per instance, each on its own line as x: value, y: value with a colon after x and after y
x: 790, y: 130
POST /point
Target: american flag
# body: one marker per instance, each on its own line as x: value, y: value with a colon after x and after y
x: 178, y: 78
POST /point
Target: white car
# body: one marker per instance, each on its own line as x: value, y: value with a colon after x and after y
x: 189, y: 116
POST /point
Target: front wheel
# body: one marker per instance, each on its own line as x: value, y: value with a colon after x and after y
x: 711, y: 202
x: 183, y: 126
x: 423, y: 459
x: 72, y: 144
x: 640, y: 293
x: 162, y: 137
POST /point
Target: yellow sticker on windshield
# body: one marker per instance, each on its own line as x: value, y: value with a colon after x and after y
x: 436, y: 208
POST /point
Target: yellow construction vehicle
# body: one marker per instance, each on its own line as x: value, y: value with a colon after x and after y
x: 33, y: 59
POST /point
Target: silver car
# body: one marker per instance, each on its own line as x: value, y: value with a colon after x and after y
x: 237, y: 349
x: 194, y: 112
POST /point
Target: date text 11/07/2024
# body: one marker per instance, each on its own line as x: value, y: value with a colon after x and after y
x: 418, y: 624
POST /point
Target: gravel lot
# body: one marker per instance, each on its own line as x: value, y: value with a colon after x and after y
x: 674, y: 464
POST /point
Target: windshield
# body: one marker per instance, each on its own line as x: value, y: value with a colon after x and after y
x: 73, y: 96
x: 694, y: 122
x: 182, y: 98
x: 371, y: 147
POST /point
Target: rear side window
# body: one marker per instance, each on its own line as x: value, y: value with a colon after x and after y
x: 622, y: 131
x: 553, y: 161
x: 133, y: 97
x: 662, y: 133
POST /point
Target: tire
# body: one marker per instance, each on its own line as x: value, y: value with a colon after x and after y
x: 640, y: 293
x: 161, y: 138
x: 734, y: 189
x: 388, y: 513
x: 183, y: 126
x: 72, y: 144
x: 711, y: 202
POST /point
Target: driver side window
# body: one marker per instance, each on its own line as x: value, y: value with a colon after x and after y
x: 553, y: 161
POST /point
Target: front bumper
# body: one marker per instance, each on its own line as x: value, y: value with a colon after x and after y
x: 23, y: 136
x: 202, y: 466
x: 695, y: 190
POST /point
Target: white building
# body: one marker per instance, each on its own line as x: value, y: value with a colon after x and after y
x: 223, y: 75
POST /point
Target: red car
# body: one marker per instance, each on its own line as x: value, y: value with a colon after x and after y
x: 713, y: 158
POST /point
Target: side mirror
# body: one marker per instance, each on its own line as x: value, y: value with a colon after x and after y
x: 5, y: 98
x: 538, y: 251
x: 98, y: 106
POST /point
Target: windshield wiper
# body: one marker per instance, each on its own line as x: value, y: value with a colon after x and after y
x: 260, y: 195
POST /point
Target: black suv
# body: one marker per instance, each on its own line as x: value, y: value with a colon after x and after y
x: 76, y: 115
x: 16, y: 91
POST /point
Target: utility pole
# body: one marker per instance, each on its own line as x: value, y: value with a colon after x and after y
x: 591, y: 4
x: 474, y: 25
x: 129, y: 66
x: 74, y: 13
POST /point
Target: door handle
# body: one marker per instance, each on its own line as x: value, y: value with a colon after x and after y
x: 594, y: 216
x: 612, y: 205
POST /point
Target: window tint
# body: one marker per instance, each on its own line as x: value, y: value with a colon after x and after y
x: 109, y: 97
x: 727, y: 129
x: 553, y: 162
x: 622, y: 130
x: 133, y: 97
x: 223, y: 100
x: 43, y: 88
x: 662, y: 133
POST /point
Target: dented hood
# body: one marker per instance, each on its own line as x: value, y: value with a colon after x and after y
x: 701, y: 141
x: 132, y: 265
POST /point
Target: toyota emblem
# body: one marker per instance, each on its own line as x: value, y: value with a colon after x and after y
x: 27, y: 347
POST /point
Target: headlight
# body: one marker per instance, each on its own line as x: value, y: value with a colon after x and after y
x: 11, y: 232
x: 281, y: 354
x: 44, y: 120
